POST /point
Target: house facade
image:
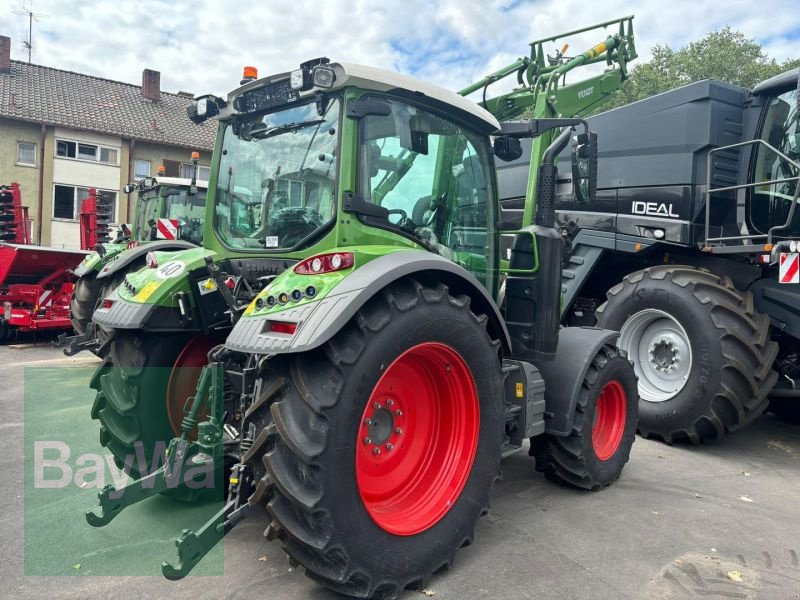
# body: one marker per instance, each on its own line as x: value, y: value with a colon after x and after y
x: 63, y: 132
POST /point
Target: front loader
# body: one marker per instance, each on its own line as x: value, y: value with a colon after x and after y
x: 369, y: 390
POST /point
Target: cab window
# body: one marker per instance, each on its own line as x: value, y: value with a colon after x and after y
x: 770, y: 203
x: 433, y: 177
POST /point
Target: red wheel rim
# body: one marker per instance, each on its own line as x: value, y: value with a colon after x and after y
x: 609, y: 420
x: 417, y: 439
x: 183, y: 380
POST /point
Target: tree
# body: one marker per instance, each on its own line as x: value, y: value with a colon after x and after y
x: 725, y: 55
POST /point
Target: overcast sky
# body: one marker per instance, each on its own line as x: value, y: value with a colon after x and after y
x: 200, y: 46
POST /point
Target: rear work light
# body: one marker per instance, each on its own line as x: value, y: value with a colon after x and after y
x: 282, y: 327
x: 325, y: 263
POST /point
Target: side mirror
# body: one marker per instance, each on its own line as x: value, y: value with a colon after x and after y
x: 584, y: 167
x: 507, y: 148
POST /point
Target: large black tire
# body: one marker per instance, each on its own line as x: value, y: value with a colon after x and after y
x: 84, y: 299
x: 730, y: 373
x: 131, y: 402
x: 311, y: 413
x: 593, y: 455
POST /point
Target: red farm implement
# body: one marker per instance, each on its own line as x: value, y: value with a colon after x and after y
x: 35, y: 282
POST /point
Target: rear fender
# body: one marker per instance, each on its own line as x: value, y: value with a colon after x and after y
x: 317, y: 322
x: 124, y: 259
x: 563, y: 376
x: 87, y: 265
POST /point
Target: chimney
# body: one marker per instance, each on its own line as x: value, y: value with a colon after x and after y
x: 151, y: 85
x: 5, y: 54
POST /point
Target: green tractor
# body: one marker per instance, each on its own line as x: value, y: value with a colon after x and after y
x: 169, y: 215
x: 366, y: 373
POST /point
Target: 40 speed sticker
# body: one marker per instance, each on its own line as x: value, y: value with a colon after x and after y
x: 173, y: 268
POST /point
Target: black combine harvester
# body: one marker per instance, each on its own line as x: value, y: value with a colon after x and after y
x: 693, y: 233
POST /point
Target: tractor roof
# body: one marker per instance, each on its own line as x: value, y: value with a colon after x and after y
x: 381, y: 80
x: 384, y: 81
x: 180, y: 181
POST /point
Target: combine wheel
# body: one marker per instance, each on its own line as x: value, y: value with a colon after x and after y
x: 603, y: 430
x: 142, y: 388
x: 702, y: 354
x: 381, y: 446
x: 84, y: 300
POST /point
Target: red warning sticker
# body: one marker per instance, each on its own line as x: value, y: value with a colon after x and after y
x: 789, y: 267
x: 167, y: 229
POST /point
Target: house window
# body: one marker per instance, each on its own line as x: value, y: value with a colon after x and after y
x: 26, y: 154
x: 67, y: 200
x: 141, y: 169
x: 82, y: 151
x: 108, y: 155
x: 65, y: 149
x: 202, y: 172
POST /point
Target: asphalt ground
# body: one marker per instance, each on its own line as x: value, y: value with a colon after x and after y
x: 716, y: 521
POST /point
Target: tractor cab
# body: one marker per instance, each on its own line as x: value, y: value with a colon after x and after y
x: 400, y: 161
x: 168, y: 208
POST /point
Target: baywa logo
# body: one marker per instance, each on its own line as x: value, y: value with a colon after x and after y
x: 54, y: 467
x: 654, y: 209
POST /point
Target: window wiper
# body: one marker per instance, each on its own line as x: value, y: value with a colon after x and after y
x: 285, y: 128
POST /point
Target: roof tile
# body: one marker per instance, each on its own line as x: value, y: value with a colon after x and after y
x: 43, y: 94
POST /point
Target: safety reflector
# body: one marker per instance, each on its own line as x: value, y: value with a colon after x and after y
x: 789, y: 267
x: 282, y: 327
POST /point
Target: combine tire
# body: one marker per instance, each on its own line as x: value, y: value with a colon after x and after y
x: 142, y: 388
x: 702, y: 354
x: 379, y: 448
x: 84, y: 300
x: 594, y: 453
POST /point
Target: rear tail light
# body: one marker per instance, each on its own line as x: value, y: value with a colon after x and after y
x: 764, y: 259
x: 325, y: 263
x: 282, y: 327
x: 108, y: 303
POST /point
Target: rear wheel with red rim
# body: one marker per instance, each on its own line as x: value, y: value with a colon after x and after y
x: 381, y: 447
x: 603, y: 431
x: 417, y: 439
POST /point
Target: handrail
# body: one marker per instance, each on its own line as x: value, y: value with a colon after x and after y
x: 709, y: 191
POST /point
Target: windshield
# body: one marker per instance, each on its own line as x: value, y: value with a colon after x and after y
x: 188, y: 209
x: 146, y: 210
x: 276, y: 177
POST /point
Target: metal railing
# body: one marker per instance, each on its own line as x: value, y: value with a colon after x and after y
x: 766, y: 237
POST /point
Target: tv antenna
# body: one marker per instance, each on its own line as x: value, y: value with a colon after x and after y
x: 32, y: 16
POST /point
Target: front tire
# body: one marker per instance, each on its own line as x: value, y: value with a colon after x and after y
x: 381, y: 446
x: 702, y: 353
x: 84, y: 299
x: 593, y: 455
